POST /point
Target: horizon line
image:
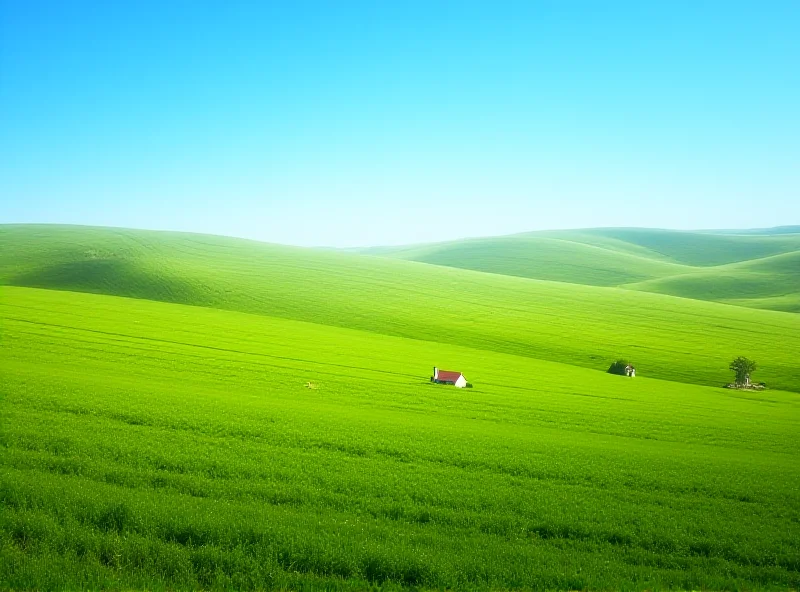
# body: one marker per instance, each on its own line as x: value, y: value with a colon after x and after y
x: 788, y: 229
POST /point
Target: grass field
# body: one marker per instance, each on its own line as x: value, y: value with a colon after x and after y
x: 676, y: 339
x: 146, y: 443
x: 760, y: 270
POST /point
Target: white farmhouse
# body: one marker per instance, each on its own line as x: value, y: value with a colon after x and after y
x: 447, y: 377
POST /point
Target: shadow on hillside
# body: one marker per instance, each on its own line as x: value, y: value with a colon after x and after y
x: 112, y: 276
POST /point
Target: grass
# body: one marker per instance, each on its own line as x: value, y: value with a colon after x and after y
x: 541, y: 258
x: 157, y: 430
x: 682, y: 340
x: 788, y: 303
x: 770, y: 282
x: 699, y: 249
x: 758, y: 270
x: 168, y: 446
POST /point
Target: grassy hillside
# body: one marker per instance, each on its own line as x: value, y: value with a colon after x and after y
x: 676, y: 339
x: 758, y: 268
x: 758, y: 231
x: 789, y: 303
x: 159, y: 446
x: 699, y: 249
x: 775, y: 279
x: 541, y: 258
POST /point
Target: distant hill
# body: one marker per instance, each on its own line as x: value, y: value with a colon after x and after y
x: 542, y: 257
x: 758, y: 268
x: 761, y: 231
x: 673, y: 338
x: 770, y: 282
x: 701, y: 249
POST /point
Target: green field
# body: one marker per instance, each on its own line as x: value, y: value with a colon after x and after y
x: 754, y: 269
x: 158, y: 431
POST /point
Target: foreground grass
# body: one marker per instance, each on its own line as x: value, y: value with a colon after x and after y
x: 152, y: 445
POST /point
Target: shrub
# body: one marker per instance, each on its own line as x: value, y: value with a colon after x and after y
x: 618, y: 367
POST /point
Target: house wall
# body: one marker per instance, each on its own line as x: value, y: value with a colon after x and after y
x: 461, y: 382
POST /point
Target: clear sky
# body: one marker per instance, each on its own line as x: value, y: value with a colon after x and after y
x: 359, y: 123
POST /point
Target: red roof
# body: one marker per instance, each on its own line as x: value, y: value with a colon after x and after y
x: 447, y: 376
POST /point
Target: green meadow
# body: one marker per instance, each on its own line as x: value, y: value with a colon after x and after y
x: 760, y: 269
x: 183, y: 411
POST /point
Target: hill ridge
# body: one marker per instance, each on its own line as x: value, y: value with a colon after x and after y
x: 580, y: 257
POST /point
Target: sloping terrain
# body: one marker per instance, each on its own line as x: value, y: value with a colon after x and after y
x: 182, y: 411
x: 541, y: 258
x: 757, y: 268
x: 772, y: 281
x: 158, y: 446
x: 674, y: 339
x: 699, y: 249
x: 790, y: 303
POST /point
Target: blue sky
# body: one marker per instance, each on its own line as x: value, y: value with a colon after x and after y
x: 359, y: 123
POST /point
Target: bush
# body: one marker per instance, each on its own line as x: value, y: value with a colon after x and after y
x: 618, y: 367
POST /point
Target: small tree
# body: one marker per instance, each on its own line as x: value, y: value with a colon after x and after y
x: 743, y: 369
x: 618, y: 367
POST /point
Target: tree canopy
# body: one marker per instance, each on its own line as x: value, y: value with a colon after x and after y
x: 742, y: 367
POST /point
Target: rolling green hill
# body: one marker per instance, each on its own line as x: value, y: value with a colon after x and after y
x: 772, y: 281
x: 147, y: 445
x: 542, y: 258
x: 699, y: 249
x: 758, y: 269
x: 184, y: 411
x: 675, y: 339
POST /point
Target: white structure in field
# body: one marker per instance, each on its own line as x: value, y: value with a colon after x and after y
x: 447, y: 377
